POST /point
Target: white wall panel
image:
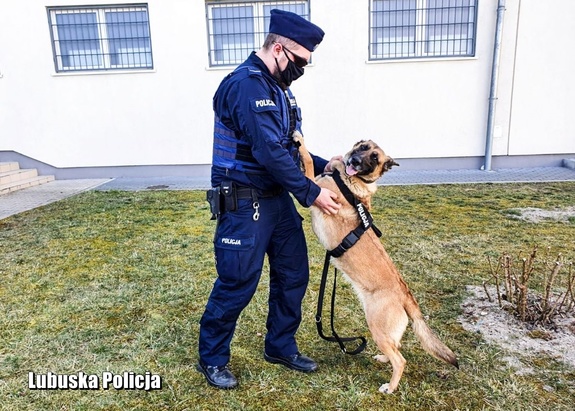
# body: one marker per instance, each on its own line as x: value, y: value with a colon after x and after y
x: 543, y: 120
x: 413, y: 109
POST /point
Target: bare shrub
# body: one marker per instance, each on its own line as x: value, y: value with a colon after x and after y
x: 515, y: 279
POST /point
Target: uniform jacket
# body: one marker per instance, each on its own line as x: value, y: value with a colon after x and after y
x: 250, y: 102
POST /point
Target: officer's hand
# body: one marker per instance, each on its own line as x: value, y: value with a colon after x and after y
x: 328, y: 167
x: 325, y: 201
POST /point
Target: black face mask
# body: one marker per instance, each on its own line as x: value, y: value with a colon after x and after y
x: 290, y: 73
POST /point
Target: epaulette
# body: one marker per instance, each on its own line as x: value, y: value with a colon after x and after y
x: 254, y: 72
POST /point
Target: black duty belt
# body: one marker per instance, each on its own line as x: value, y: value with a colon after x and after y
x: 247, y: 192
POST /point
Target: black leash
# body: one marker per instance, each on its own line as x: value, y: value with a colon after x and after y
x: 335, y: 337
x: 346, y: 244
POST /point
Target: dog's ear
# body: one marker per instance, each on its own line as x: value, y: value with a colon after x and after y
x: 390, y: 162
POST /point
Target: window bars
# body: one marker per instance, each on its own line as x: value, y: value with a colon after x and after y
x: 100, y: 38
x: 402, y: 29
x: 236, y: 28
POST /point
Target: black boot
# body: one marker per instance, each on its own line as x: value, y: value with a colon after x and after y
x: 297, y: 361
x: 218, y: 376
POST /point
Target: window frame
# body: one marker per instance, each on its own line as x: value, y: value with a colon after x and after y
x: 423, y: 45
x: 105, y: 40
x: 260, y: 28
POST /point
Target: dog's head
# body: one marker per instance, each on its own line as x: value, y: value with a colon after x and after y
x: 368, y: 161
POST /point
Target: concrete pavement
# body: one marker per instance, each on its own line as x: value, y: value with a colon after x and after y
x: 33, y: 197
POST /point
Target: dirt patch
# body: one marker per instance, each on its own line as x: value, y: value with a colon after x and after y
x: 519, y: 339
x: 537, y: 215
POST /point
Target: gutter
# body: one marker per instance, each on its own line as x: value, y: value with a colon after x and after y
x: 493, y: 87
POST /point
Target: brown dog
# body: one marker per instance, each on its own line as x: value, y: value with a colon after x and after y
x: 386, y: 299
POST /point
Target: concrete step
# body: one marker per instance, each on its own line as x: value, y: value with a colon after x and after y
x: 13, y: 178
x: 9, y: 166
x: 17, y: 175
x: 25, y: 183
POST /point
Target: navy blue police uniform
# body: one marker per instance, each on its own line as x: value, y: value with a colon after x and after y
x: 253, y: 148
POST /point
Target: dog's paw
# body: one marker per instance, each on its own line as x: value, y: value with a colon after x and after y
x: 297, y: 137
x: 381, y: 358
x: 384, y: 389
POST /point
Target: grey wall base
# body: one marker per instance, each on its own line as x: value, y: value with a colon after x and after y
x: 203, y: 170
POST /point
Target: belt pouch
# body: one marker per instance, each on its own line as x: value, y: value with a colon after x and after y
x: 228, y: 191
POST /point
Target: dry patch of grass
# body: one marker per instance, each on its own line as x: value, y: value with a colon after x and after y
x: 117, y: 281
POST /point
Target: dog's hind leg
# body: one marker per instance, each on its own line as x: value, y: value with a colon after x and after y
x: 381, y: 358
x: 397, y: 364
x: 387, y: 326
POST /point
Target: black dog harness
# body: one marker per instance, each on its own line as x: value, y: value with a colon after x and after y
x: 348, y: 242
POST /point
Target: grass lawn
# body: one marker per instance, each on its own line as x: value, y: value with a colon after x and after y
x: 117, y: 282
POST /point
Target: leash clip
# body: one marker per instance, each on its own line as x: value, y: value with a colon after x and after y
x: 256, y: 206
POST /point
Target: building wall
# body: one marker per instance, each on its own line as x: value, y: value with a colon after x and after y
x: 542, y: 120
x: 116, y: 118
x: 415, y: 109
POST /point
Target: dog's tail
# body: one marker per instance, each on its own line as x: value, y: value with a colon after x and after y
x: 428, y: 339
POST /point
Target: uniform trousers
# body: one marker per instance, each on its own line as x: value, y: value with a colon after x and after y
x: 240, y: 247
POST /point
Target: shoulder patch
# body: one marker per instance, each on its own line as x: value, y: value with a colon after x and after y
x: 263, y: 104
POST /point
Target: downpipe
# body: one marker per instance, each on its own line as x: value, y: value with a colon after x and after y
x: 493, y: 86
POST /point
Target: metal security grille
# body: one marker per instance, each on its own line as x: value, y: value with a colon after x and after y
x: 402, y: 29
x: 101, y: 38
x: 236, y: 28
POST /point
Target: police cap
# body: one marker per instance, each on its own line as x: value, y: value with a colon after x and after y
x: 296, y: 28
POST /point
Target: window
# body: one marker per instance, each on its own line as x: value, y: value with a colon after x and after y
x: 235, y: 29
x: 401, y: 29
x: 101, y: 38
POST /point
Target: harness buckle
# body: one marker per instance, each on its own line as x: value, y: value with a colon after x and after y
x: 349, y: 241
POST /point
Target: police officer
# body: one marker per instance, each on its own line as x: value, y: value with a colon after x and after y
x: 255, y: 168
